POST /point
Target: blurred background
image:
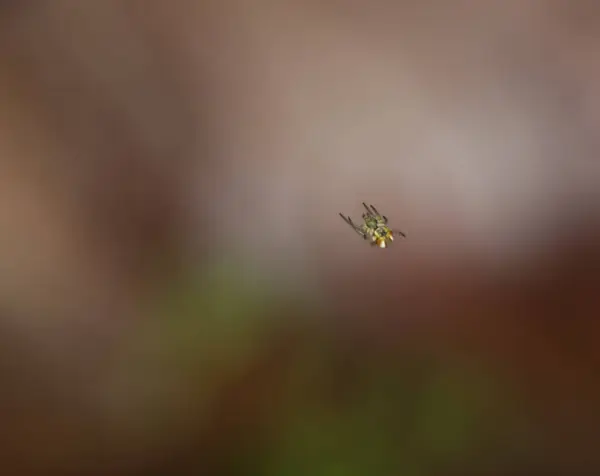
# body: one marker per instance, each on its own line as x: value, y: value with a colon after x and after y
x: 178, y: 294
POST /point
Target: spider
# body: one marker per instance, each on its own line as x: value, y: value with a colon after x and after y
x: 374, y: 227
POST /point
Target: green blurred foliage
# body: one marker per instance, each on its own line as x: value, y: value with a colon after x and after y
x: 197, y: 336
x: 332, y: 411
x: 400, y: 419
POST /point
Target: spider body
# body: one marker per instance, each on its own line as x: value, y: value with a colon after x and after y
x: 374, y: 227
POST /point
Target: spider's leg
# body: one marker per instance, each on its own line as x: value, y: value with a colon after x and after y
x: 400, y: 233
x: 368, y: 209
x: 347, y: 220
x: 358, y: 229
x: 351, y: 223
x: 375, y: 210
x: 385, y: 220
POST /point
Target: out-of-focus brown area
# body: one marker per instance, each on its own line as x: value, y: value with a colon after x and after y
x: 178, y: 294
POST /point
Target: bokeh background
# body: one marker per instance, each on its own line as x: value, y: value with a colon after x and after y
x: 178, y: 294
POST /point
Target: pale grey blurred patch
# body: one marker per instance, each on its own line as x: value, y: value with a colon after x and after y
x: 462, y: 122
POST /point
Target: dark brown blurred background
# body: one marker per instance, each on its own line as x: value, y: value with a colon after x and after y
x: 178, y: 294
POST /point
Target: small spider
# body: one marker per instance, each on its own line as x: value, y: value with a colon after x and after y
x: 374, y: 227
